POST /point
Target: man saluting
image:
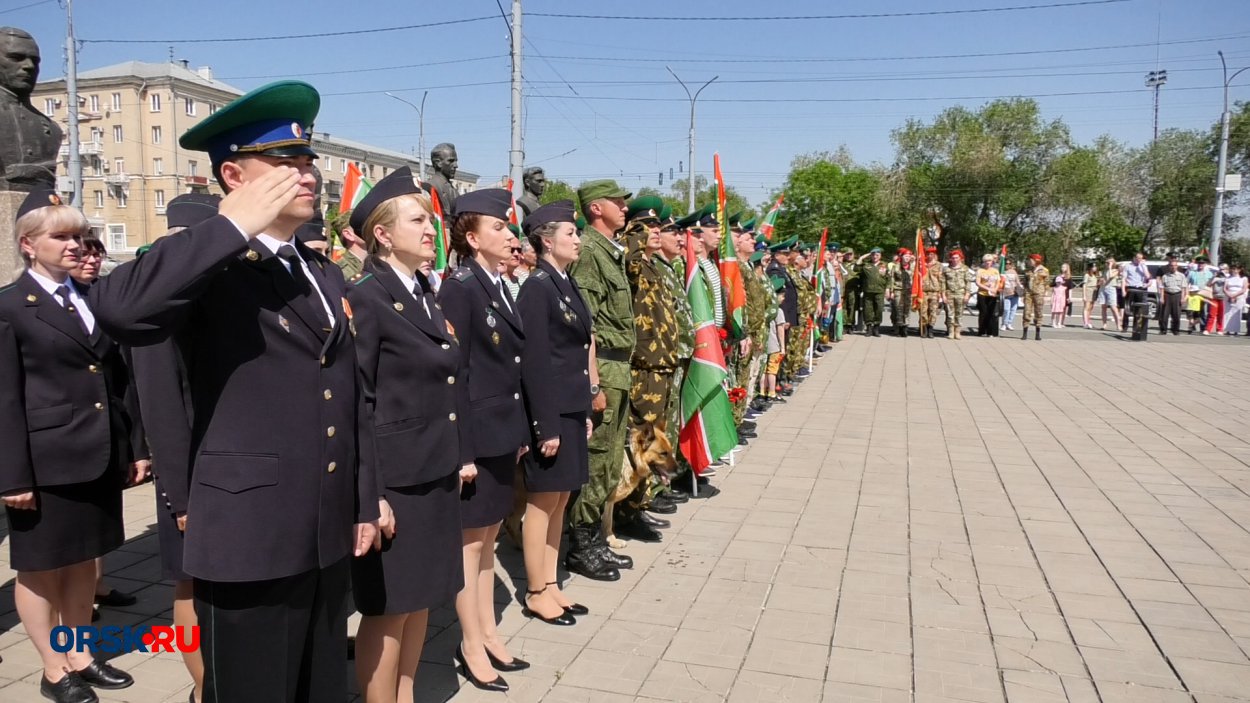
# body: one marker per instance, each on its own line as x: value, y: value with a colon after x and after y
x: 277, y: 501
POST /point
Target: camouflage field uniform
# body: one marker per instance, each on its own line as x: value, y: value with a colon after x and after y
x: 800, y: 337
x: 900, y: 287
x: 873, y: 283
x: 933, y: 283
x: 755, y: 308
x: 655, y: 330
x: 956, y: 279
x: 673, y: 273
x: 1036, y: 288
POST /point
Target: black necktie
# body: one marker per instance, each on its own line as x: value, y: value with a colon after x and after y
x: 309, y: 293
x: 503, y: 293
x: 63, y: 292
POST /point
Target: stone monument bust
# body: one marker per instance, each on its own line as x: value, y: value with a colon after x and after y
x: 535, y: 182
x: 444, y: 162
x: 29, y: 140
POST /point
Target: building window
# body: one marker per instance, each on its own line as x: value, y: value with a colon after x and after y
x: 156, y: 135
x: 97, y: 166
x: 117, y: 102
x: 117, y: 237
x: 119, y: 165
x: 155, y: 99
x: 95, y: 103
x: 121, y: 202
x: 192, y: 168
x: 49, y: 106
x: 117, y: 134
x: 158, y: 167
x: 97, y: 135
x: 189, y: 104
x: 212, y: 107
x: 99, y: 200
x: 329, y: 163
x: 159, y: 196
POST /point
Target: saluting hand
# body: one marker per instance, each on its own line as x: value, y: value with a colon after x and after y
x: 21, y: 501
x: 549, y: 447
x: 255, y: 205
x: 366, y: 533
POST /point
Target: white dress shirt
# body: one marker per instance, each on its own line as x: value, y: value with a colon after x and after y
x: 75, y: 297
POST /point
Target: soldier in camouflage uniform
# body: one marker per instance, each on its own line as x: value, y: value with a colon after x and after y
x: 669, y: 263
x: 956, y: 279
x: 756, y: 328
x: 899, y: 293
x: 352, y: 261
x: 933, y: 284
x: 1036, y: 288
x: 873, y: 284
x: 600, y: 272
x: 800, y: 339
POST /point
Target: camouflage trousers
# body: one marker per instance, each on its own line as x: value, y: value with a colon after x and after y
x: 741, y: 378
x: 649, y: 395
x: 900, y: 308
x: 929, y: 310
x: 798, y: 340
x: 1033, y: 309
x: 755, y: 373
x: 955, y: 310
x: 674, y: 422
x: 607, y: 451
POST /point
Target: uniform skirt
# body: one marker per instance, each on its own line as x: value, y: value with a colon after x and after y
x: 72, y: 524
x: 488, y: 499
x: 569, y: 469
x: 422, y: 567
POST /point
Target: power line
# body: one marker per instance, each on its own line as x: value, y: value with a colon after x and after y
x: 367, y: 70
x: 319, y: 35
x: 857, y: 16
x: 24, y: 7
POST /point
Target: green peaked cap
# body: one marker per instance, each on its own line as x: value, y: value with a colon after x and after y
x: 648, y: 207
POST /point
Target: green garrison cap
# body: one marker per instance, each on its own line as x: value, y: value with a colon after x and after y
x: 749, y: 225
x: 648, y: 207
x: 688, y: 222
x: 591, y: 191
x: 274, y: 120
x: 784, y: 245
x: 756, y: 258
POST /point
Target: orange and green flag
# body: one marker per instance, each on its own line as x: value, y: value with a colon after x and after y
x: 730, y: 273
x: 769, y: 224
x: 355, y: 188
x: 707, y: 428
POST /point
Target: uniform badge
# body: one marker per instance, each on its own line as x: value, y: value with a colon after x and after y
x: 490, y: 321
x: 286, y: 326
x: 399, y: 307
x: 31, y: 298
x: 450, y: 330
x: 347, y: 309
x: 495, y: 304
x: 563, y: 307
x: 494, y: 337
x: 252, y: 255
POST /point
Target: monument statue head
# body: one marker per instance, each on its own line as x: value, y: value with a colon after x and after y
x: 535, y: 181
x: 443, y: 159
x: 19, y: 62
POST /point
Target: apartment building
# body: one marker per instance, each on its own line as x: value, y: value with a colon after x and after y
x: 130, y: 117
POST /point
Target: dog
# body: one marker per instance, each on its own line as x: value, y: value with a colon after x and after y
x: 648, y: 451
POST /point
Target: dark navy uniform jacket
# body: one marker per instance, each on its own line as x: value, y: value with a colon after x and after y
x: 790, y: 305
x: 275, y: 400
x: 413, y: 381
x: 160, y: 386
x: 491, y: 338
x: 64, y: 419
x: 555, y: 362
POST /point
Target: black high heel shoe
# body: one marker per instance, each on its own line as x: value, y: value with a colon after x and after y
x: 496, y: 684
x: 514, y: 665
x: 564, y: 618
x: 576, y: 608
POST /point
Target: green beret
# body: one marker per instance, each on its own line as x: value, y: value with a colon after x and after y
x: 648, y: 207
x: 875, y: 250
x: 591, y: 191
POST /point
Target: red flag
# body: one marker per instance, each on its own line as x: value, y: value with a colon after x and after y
x: 512, y: 214
x: 918, y: 271
x: 769, y: 223
x: 820, y: 256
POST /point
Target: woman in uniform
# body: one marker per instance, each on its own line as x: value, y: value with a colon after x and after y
x: 479, y: 307
x: 555, y: 375
x: 411, y: 376
x: 66, y: 439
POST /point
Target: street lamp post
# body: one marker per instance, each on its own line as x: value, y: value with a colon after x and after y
x: 1217, y: 218
x: 693, y: 97
x: 420, y: 131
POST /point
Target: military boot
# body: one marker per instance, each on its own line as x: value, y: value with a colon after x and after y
x: 1025, y: 334
x: 584, y: 557
x: 1037, y: 332
x: 609, y: 557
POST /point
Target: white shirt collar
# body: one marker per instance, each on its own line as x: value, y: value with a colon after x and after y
x: 50, y: 285
x: 273, y: 243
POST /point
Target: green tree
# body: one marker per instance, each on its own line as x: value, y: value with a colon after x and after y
x: 705, y: 192
x: 678, y: 204
x: 558, y: 190
x: 821, y: 193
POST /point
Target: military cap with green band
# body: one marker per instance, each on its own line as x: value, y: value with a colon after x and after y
x: 690, y: 221
x: 749, y: 225
x: 646, y: 208
x: 273, y: 120
x: 784, y: 245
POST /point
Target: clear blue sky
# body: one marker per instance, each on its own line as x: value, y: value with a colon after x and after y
x: 633, y: 140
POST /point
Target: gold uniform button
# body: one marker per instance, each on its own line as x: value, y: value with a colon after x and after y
x: 451, y: 380
x: 327, y: 394
x: 452, y: 417
x: 330, y: 431
x: 93, y: 368
x: 330, y: 469
x: 99, y: 406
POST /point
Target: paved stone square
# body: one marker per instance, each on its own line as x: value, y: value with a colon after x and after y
x: 925, y: 520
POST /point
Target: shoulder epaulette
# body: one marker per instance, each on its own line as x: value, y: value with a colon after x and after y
x: 540, y: 275
x: 361, y: 277
x: 462, y: 273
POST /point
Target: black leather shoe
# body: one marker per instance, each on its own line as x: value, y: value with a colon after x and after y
x: 514, y: 665
x: 662, y: 507
x: 676, y: 497
x: 747, y: 425
x: 115, y: 599
x: 634, y: 529
x: 495, y: 684
x: 104, y: 675
x: 564, y: 619
x: 655, y: 522
x: 747, y: 434
x: 576, y: 608
x: 71, y: 689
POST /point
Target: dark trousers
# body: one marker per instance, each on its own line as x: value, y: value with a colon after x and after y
x: 278, y: 641
x: 987, y: 316
x: 1171, y: 308
x: 1132, y: 297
